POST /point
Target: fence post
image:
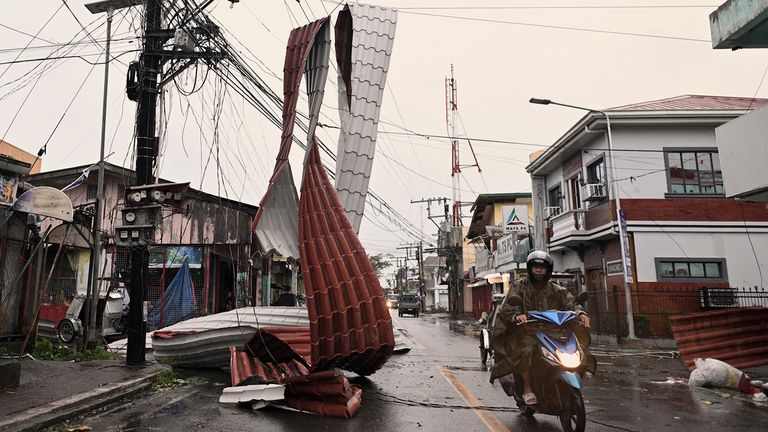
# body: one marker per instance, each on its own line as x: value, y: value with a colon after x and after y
x: 616, y: 317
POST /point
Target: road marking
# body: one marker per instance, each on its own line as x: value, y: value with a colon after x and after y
x: 486, y: 416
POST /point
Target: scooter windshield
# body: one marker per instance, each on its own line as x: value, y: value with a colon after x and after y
x: 554, y: 317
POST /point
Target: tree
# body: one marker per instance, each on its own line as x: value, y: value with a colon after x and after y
x: 379, y: 263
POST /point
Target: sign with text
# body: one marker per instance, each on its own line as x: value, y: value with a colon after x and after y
x: 514, y: 218
x: 624, y: 240
x: 505, y: 249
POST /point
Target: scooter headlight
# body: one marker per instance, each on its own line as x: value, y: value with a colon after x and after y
x: 389, y: 304
x: 548, y: 355
x: 569, y: 360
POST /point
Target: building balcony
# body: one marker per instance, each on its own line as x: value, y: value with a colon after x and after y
x: 564, y: 224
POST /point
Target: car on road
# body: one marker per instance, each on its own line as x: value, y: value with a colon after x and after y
x: 392, y: 301
x: 408, y: 304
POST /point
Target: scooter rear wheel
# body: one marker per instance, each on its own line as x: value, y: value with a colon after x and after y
x: 573, y: 418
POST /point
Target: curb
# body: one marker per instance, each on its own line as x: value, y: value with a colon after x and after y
x: 37, y: 418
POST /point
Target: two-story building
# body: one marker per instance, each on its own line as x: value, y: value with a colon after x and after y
x: 683, y: 231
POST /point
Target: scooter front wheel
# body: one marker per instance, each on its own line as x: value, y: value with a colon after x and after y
x: 573, y: 418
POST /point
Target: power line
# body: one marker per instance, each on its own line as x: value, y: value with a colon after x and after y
x: 81, y: 57
x: 27, y: 34
x: 517, y: 23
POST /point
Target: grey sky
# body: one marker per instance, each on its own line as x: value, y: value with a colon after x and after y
x: 499, y: 66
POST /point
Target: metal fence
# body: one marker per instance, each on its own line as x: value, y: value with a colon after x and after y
x: 653, y: 306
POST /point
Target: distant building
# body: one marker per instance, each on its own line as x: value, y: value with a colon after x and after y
x: 10, y: 150
x: 501, y: 226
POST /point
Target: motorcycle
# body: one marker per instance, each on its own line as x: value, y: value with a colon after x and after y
x: 557, y: 371
x: 111, y: 313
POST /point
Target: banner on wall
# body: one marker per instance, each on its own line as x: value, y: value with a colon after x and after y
x: 8, y: 186
x: 175, y: 256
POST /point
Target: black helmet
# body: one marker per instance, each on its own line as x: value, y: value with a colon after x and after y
x: 541, y: 258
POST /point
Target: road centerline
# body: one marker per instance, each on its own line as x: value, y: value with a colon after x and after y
x: 490, y: 420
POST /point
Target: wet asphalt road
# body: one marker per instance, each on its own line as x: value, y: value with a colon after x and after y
x: 435, y: 386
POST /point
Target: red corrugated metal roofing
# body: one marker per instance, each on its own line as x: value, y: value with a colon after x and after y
x: 349, y: 322
x: 300, y: 42
x: 736, y: 336
x: 326, y: 393
x: 695, y: 102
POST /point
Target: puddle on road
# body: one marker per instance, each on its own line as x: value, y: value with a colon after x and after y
x: 464, y: 329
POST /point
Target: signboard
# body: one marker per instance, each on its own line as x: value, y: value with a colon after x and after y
x: 614, y: 268
x: 8, y: 186
x: 176, y: 255
x: 514, y: 218
x: 624, y: 240
x: 505, y: 249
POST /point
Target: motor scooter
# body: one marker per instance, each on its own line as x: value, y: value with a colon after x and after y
x: 557, y: 368
x: 111, y: 313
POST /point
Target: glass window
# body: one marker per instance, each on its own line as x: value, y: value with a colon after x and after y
x: 712, y: 269
x: 688, y: 270
x: 554, y: 197
x: 694, y: 173
x: 697, y: 269
x: 666, y: 269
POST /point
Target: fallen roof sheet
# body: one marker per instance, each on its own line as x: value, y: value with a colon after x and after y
x: 350, y: 324
x: 364, y: 39
x: 205, y: 341
x: 737, y: 336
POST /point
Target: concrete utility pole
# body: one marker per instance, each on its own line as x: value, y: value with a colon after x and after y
x: 153, y: 57
x: 146, y: 154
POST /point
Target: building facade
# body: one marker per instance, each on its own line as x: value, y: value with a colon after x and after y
x: 683, y: 232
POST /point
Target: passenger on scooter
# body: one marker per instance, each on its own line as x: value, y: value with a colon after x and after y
x: 514, y: 349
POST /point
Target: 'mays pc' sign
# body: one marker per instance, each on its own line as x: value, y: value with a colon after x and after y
x: 514, y: 217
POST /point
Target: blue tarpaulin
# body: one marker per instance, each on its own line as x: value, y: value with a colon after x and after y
x: 177, y: 303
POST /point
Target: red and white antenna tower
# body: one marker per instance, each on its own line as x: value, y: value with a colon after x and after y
x: 451, y: 114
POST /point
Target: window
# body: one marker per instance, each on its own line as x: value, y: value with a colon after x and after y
x: 691, y: 270
x: 554, y: 198
x: 596, y: 172
x: 90, y: 193
x: 574, y: 192
x: 694, y: 172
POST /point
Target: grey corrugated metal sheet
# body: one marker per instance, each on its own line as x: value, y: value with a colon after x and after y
x: 737, y: 336
x: 373, y: 31
x: 278, y: 225
x: 205, y: 341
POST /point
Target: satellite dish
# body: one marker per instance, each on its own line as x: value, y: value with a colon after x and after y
x: 45, y: 201
x: 66, y: 234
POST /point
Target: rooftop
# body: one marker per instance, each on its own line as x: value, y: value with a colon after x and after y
x: 695, y: 103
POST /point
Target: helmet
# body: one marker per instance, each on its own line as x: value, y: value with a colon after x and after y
x: 541, y: 258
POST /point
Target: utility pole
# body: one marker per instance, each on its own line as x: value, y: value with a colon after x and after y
x: 146, y: 154
x: 146, y: 89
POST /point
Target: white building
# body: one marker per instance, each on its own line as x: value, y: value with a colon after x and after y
x: 683, y: 230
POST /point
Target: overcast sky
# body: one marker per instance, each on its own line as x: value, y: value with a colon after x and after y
x: 585, y: 52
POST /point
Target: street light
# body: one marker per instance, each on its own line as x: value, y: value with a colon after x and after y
x: 613, y: 188
x: 108, y: 6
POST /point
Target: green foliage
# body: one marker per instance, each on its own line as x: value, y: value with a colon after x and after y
x: 378, y: 263
x: 167, y: 380
x: 46, y: 350
x: 4, y: 351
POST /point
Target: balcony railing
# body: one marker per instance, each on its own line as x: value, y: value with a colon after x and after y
x: 565, y: 223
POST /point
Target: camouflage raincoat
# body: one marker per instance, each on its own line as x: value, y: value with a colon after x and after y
x: 513, y: 348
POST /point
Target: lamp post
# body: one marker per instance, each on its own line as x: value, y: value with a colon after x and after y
x: 108, y: 6
x: 623, y: 240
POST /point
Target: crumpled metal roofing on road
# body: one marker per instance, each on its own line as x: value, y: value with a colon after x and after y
x: 350, y: 324
x: 205, y: 341
x: 276, y: 222
x: 364, y: 39
x: 737, y: 336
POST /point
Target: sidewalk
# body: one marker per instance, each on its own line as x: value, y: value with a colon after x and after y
x: 52, y: 391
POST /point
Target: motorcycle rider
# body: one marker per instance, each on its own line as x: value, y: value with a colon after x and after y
x: 514, y: 350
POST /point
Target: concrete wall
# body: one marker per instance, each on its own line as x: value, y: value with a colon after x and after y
x: 11, y: 150
x: 743, y: 145
x: 741, y: 263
